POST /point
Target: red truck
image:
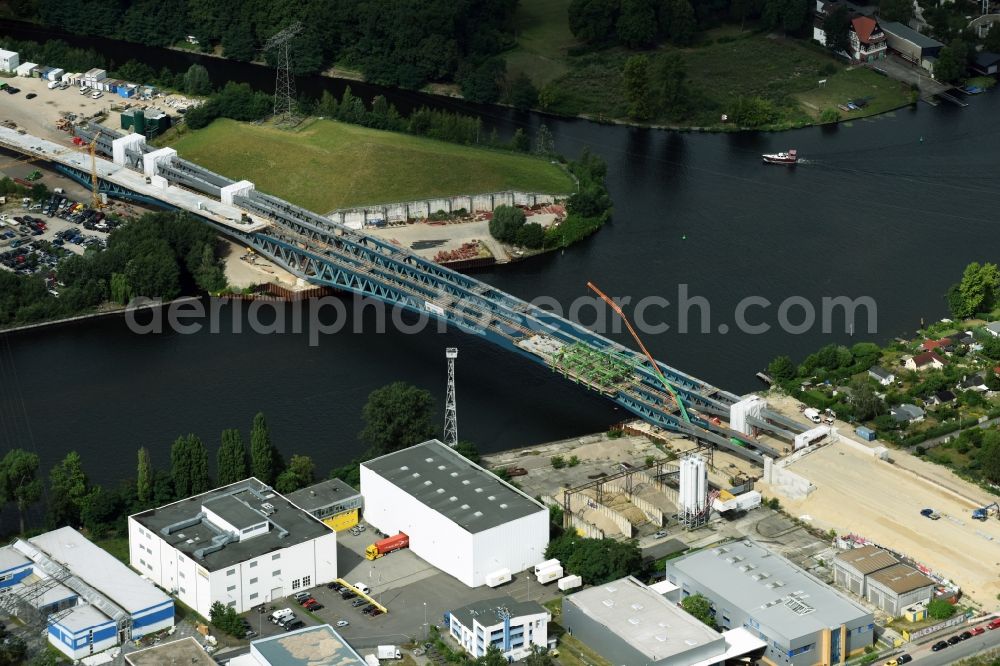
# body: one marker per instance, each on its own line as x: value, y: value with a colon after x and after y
x: 386, y: 546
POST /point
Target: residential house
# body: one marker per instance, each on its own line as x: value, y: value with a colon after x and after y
x: 944, y: 344
x: 907, y: 413
x: 925, y: 361
x: 942, y: 397
x: 986, y: 63
x: 973, y: 383
x: 881, y: 375
x: 993, y: 328
x: 867, y: 40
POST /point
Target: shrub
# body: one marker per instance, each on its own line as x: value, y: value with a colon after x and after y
x: 558, y: 462
x: 939, y: 609
x: 573, y: 461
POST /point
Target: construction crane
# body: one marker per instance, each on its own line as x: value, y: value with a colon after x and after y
x: 94, y: 182
x: 983, y: 513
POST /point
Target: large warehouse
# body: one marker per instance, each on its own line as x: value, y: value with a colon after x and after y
x: 802, y: 620
x: 881, y: 579
x: 242, y: 545
x: 460, y: 518
x: 91, y: 601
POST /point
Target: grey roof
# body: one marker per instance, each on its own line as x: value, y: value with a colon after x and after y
x: 906, y: 412
x: 312, y: 646
x: 994, y: 326
x: 972, y: 381
x: 909, y: 34
x: 902, y: 579
x: 880, y: 372
x: 190, y: 531
x: 489, y: 612
x: 645, y: 619
x: 182, y: 651
x: 769, y: 588
x: 460, y: 490
x: 986, y: 58
x: 233, y: 511
x: 321, y: 495
x: 867, y: 559
x: 99, y: 569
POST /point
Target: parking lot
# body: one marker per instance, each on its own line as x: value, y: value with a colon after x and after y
x: 415, y: 594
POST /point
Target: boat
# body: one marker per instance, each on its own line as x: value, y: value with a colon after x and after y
x: 791, y: 157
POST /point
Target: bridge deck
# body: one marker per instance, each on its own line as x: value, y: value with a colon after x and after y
x: 213, y: 209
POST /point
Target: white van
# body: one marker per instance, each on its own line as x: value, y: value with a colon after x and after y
x: 279, y: 615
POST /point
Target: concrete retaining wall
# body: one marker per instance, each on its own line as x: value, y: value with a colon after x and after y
x: 402, y: 211
x: 581, y: 525
x: 652, y: 512
x: 788, y: 483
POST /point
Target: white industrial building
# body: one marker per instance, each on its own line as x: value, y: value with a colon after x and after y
x: 242, y: 545
x: 90, y: 600
x: 26, y: 69
x: 9, y: 60
x: 514, y: 627
x: 460, y: 518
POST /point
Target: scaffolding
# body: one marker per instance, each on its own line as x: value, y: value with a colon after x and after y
x: 604, y: 371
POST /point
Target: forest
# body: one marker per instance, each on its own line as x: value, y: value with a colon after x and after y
x: 404, y: 44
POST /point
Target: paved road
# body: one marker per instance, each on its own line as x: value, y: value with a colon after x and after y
x: 923, y: 656
x: 935, y: 441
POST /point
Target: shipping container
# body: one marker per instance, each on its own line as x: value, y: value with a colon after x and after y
x: 551, y: 574
x: 547, y: 564
x: 864, y: 433
x: 569, y: 582
x: 498, y: 577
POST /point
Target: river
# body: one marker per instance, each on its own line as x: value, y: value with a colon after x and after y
x: 890, y: 208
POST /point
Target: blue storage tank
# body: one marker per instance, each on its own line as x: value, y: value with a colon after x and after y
x: 864, y: 433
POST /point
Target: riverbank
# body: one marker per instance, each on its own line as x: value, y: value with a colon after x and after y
x: 107, y: 310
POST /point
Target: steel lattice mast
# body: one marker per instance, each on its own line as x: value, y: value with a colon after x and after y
x: 450, y: 409
x: 284, y: 81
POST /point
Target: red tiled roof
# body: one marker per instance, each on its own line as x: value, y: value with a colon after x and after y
x: 864, y: 26
x: 934, y: 344
x: 925, y: 358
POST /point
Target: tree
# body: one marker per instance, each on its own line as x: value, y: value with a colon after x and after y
x: 301, y: 472
x: 989, y: 456
x: 950, y: 66
x: 837, y: 26
x: 144, y: 477
x: 196, y: 80
x: 978, y: 288
x: 753, y: 112
x: 397, y: 416
x: 867, y: 405
x: 19, y: 482
x: 520, y: 141
x: 523, y: 93
x: 940, y: 609
x: 265, y: 461
x: 237, y: 42
x: 531, y: 236
x: 781, y: 369
x: 669, y: 85
x: 593, y: 21
x: 506, y: 223
x: 682, y: 24
x: 900, y: 11
x: 539, y: 657
x: 481, y: 83
x: 595, y: 560
x: 468, y: 450
x: 992, y: 40
x: 101, y: 511
x: 493, y: 657
x: 636, y: 25
x: 226, y: 619
x: 635, y: 79
x: 68, y: 487
x: 189, y: 466
x: 545, y: 145
x: 231, y: 459
x: 698, y: 606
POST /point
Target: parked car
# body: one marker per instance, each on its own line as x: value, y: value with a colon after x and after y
x: 940, y: 645
x: 314, y: 606
x: 975, y: 631
x: 903, y: 659
x: 995, y: 624
x: 342, y: 623
x: 296, y: 624
x: 301, y: 596
x: 30, y: 96
x: 358, y: 602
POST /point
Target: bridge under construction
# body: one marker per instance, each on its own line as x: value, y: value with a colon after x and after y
x: 324, y: 252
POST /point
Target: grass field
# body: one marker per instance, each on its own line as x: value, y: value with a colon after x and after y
x: 883, y: 94
x: 326, y: 164
x: 543, y: 40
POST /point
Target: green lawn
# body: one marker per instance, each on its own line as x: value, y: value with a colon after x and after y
x: 883, y: 94
x: 543, y: 40
x: 326, y: 164
x: 117, y: 546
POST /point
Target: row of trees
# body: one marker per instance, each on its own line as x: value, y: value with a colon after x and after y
x: 508, y: 226
x: 393, y: 43
x: 596, y: 561
x: 589, y: 208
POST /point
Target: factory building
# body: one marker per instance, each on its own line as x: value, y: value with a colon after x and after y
x: 460, y: 518
x: 627, y: 622
x: 311, y: 646
x: 332, y: 501
x: 90, y: 600
x: 241, y: 545
x: 149, y: 122
x: 802, y: 620
x: 514, y: 627
x: 879, y: 577
x: 9, y: 60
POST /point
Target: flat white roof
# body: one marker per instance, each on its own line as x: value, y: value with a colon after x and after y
x: 663, y: 587
x: 644, y: 619
x: 11, y: 559
x: 739, y: 642
x: 82, y: 617
x: 99, y: 569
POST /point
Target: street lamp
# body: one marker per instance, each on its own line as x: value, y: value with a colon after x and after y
x: 427, y: 629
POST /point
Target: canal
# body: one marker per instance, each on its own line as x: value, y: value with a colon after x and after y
x: 889, y: 209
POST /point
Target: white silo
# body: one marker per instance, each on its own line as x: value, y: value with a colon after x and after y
x: 693, y: 493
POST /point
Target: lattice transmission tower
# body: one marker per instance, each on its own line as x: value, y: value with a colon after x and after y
x: 450, y: 409
x: 284, y: 81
